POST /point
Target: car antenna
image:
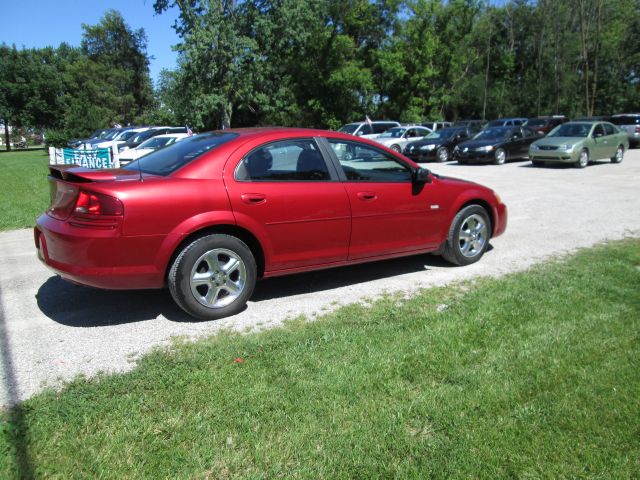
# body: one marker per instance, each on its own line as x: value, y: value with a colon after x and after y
x: 140, y: 170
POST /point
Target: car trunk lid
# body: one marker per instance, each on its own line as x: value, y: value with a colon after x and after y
x: 67, y: 181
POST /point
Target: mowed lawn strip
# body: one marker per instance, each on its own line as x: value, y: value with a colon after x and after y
x: 25, y: 192
x: 532, y: 375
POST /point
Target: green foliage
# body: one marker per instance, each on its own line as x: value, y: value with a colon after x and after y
x: 322, y: 63
x: 327, y: 62
x: 530, y: 376
x: 56, y: 138
x: 77, y: 90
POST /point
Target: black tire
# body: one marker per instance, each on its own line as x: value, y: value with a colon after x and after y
x: 396, y: 148
x: 500, y: 157
x: 442, y: 155
x: 202, y: 258
x: 583, y: 160
x: 462, y: 162
x: 454, y: 247
x: 619, y: 156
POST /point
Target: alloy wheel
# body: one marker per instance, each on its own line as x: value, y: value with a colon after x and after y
x: 472, y: 235
x: 218, y: 277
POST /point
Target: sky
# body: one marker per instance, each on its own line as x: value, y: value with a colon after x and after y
x: 41, y: 23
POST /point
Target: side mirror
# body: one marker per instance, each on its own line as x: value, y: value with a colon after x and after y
x: 421, y: 175
x: 597, y: 135
x: 359, y: 133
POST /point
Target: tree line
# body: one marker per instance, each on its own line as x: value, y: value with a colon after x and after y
x: 321, y: 63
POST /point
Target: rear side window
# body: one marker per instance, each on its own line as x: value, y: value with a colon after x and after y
x: 382, y: 127
x: 363, y: 163
x: 296, y: 160
x: 167, y: 160
x: 626, y: 120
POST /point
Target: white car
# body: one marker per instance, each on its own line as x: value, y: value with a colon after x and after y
x: 154, y: 143
x: 396, y: 138
x: 368, y: 129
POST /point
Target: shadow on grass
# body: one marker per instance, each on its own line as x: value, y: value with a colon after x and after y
x: 17, y: 433
x: 78, y: 306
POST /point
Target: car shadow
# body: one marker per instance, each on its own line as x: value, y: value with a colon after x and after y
x: 85, y: 307
x: 321, y: 280
x: 565, y: 166
x: 78, y: 306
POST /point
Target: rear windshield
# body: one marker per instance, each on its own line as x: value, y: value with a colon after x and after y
x: 536, y: 122
x: 167, y: 160
x: 626, y: 120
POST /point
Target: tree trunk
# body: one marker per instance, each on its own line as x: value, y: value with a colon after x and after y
x: 7, y: 139
x: 486, y: 77
x: 226, y: 115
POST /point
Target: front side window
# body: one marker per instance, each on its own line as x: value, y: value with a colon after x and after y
x: 609, y: 129
x: 296, y: 160
x: 363, y: 163
x: 598, y: 131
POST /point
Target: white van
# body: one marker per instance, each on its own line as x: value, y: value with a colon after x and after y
x: 368, y: 130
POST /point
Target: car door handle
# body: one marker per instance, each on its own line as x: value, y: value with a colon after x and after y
x: 367, y: 196
x: 253, y: 198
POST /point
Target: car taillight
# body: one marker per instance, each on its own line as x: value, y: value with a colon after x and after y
x: 91, y: 203
x: 637, y: 129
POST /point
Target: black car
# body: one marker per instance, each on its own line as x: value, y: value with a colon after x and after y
x: 136, y: 140
x: 437, y: 145
x: 496, y: 145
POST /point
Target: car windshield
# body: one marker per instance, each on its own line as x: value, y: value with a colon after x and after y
x: 167, y: 160
x: 571, y: 130
x: 626, y: 120
x: 112, y: 134
x: 492, y: 133
x: 349, y: 128
x: 393, y: 133
x: 536, y: 122
x: 495, y: 123
x: 126, y: 135
x: 157, y: 142
x: 442, y: 134
x: 142, y: 136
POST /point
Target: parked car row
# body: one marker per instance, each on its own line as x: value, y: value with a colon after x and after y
x: 132, y: 142
x: 498, y: 141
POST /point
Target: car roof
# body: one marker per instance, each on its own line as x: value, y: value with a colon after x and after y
x: 171, y: 135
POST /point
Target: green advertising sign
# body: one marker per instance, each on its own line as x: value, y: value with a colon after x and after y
x: 99, y: 158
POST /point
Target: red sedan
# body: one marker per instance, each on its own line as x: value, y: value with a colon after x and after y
x: 211, y: 214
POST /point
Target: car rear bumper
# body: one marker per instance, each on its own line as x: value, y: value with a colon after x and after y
x: 97, y: 257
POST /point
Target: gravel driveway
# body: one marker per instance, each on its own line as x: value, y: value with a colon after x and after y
x: 52, y: 331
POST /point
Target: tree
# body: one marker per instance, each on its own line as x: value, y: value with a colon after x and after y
x: 111, y: 45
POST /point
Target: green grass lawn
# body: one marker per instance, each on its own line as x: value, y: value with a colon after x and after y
x: 535, y: 375
x: 25, y: 191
